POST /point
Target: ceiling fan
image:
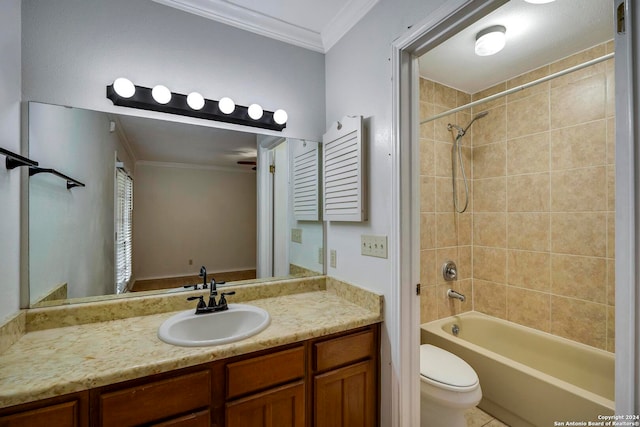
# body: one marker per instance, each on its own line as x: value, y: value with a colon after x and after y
x: 248, y: 162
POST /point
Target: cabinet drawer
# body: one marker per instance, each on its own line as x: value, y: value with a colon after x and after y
x: 266, y: 371
x: 344, y: 350
x: 156, y: 400
x: 64, y: 414
x: 197, y: 419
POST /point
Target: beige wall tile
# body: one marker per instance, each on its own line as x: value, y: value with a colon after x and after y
x: 610, y: 98
x: 490, y: 298
x: 568, y: 190
x: 440, y: 130
x: 450, y: 306
x: 489, y: 195
x: 611, y: 329
x: 446, y: 230
x: 444, y: 195
x: 427, y: 129
x: 427, y: 231
x: 500, y: 87
x: 528, y: 116
x: 426, y: 90
x: 528, y: 231
x: 528, y: 154
x: 611, y: 188
x: 464, y: 263
x: 427, y: 194
x: 428, y: 304
x: 528, y: 193
x: 579, y: 102
x: 462, y: 195
x: 490, y: 229
x: 462, y: 98
x: 611, y: 141
x: 427, y: 157
x: 442, y: 152
x: 428, y: 267
x: 491, y: 128
x: 577, y: 59
x: 490, y: 264
x: 578, y: 320
x: 579, y: 146
x: 442, y: 256
x: 529, y: 308
x: 579, y: 277
x: 529, y: 270
x: 444, y: 95
x: 579, y: 233
x: 465, y: 228
x: 490, y: 160
x: 611, y: 234
x: 611, y: 281
x: 527, y: 78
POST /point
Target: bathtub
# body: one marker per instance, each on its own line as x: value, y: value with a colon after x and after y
x: 529, y: 378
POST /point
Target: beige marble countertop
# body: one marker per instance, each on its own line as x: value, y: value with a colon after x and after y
x: 51, y: 362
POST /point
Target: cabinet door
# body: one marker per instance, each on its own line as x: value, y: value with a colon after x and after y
x: 62, y: 415
x: 346, y: 397
x: 197, y: 419
x: 279, y: 407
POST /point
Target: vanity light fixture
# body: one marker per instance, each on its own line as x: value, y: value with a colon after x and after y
x: 491, y: 40
x: 161, y: 99
x: 195, y: 101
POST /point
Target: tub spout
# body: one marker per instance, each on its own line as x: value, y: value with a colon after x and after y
x: 453, y: 294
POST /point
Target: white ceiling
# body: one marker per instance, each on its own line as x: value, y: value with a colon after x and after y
x: 537, y: 34
x: 312, y: 24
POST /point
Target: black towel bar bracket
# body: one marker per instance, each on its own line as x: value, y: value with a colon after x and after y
x: 70, y: 181
x: 14, y: 160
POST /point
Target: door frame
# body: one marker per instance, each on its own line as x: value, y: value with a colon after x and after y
x: 449, y: 19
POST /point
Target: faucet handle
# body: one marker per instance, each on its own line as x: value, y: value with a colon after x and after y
x: 201, y: 305
x: 223, y: 300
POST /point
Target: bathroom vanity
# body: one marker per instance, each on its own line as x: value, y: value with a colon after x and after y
x: 316, y: 364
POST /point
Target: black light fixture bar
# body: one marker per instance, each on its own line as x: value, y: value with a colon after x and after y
x: 14, y: 160
x: 178, y: 105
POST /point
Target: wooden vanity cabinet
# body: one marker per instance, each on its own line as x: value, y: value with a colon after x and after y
x: 345, y: 380
x: 71, y: 410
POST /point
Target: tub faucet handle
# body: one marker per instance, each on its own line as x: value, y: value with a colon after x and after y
x: 449, y: 271
x: 457, y: 295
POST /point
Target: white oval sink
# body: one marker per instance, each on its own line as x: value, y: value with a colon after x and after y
x: 188, y: 329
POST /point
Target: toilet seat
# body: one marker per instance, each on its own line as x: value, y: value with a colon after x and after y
x: 445, y: 370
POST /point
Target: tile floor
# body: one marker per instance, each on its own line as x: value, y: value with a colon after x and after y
x: 476, y: 417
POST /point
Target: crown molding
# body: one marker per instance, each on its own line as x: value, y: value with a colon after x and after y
x: 249, y: 20
x: 268, y: 26
x: 344, y: 20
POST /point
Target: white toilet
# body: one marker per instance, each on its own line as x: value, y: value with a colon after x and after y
x: 448, y: 387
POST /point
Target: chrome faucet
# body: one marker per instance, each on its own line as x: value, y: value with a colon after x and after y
x: 212, y: 306
x: 453, y: 294
x: 203, y: 274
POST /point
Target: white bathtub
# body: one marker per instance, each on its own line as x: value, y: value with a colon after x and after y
x: 528, y: 377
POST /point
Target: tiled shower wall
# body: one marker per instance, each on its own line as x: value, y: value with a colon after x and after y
x: 541, y: 227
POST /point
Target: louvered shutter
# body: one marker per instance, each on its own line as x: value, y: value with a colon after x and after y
x: 343, y: 172
x: 124, y: 229
x: 305, y: 177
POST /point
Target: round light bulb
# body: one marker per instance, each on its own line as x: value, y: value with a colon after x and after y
x: 161, y: 94
x: 255, y: 111
x: 226, y: 105
x: 195, y: 101
x: 124, y: 87
x: 490, y: 40
x: 280, y: 117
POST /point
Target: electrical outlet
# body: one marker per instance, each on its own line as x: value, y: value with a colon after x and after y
x: 190, y: 262
x: 375, y: 246
x: 296, y: 235
x: 320, y: 256
x: 332, y: 258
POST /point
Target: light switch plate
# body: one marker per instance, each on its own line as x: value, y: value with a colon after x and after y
x: 332, y: 258
x: 296, y: 235
x: 320, y: 255
x: 375, y: 246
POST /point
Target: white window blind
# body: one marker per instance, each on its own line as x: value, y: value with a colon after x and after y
x: 124, y: 229
x: 344, y: 171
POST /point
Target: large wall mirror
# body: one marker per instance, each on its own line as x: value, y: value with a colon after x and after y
x: 168, y: 196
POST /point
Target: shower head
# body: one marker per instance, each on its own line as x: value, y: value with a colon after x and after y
x: 462, y: 131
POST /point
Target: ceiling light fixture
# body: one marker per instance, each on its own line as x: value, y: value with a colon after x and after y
x: 491, y: 40
x: 161, y: 99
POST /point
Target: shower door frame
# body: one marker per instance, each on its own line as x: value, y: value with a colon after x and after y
x: 453, y: 16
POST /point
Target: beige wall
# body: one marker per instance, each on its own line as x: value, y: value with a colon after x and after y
x: 543, y: 203
x: 182, y: 214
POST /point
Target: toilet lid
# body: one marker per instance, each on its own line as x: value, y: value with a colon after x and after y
x: 446, y: 368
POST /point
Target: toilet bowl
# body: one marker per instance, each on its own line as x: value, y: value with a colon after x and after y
x: 448, y: 387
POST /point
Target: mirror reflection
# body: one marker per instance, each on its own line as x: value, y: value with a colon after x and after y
x: 162, y: 199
